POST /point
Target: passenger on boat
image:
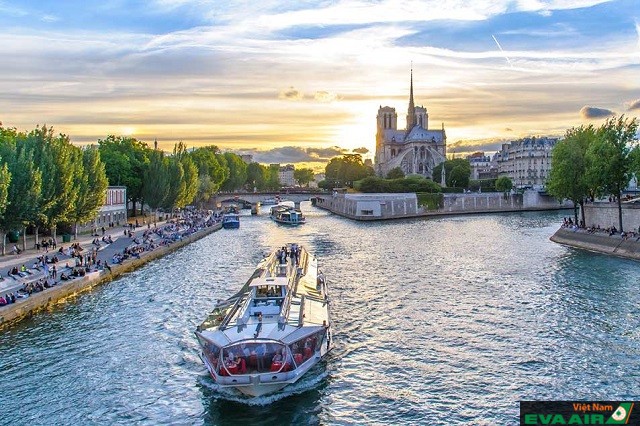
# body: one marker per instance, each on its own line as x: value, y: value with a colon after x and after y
x: 261, y: 351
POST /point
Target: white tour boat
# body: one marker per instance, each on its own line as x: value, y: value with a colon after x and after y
x: 273, y: 330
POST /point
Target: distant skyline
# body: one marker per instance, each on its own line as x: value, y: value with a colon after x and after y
x: 301, y: 82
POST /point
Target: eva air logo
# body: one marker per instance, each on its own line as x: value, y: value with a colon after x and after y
x: 621, y: 415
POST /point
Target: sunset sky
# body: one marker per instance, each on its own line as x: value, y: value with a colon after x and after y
x: 301, y: 81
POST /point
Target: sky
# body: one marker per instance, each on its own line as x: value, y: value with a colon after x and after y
x: 301, y: 81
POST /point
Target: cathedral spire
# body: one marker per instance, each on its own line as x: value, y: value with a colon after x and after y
x: 411, y: 113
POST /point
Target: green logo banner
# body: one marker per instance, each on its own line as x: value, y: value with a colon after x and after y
x: 579, y: 413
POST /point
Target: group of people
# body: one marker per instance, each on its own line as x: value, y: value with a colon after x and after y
x: 7, y: 299
x: 85, y: 261
x: 292, y: 252
x: 46, y: 244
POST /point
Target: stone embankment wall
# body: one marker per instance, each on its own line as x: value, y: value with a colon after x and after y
x: 398, y: 206
x: 600, y: 242
x: 65, y: 289
x: 605, y: 215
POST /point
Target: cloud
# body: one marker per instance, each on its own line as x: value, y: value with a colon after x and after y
x: 361, y: 150
x: 294, y: 154
x: 324, y: 96
x: 593, y: 112
x: 634, y: 105
x: 49, y: 18
x: 291, y: 94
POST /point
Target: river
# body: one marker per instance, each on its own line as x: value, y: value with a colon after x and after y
x: 436, y: 321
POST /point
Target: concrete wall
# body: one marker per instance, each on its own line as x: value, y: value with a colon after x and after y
x: 606, y: 215
x: 397, y: 206
x: 600, y: 242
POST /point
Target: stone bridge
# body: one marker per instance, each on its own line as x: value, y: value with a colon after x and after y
x: 254, y: 197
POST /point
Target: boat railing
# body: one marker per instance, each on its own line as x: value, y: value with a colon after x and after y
x: 301, y: 313
x: 233, y: 311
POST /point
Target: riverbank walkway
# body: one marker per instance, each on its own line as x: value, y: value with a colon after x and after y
x: 23, y: 275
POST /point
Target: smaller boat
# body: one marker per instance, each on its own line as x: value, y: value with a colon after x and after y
x: 230, y: 221
x: 286, y: 215
x: 271, y: 201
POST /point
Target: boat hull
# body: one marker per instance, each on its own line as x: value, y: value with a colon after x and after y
x: 231, y: 225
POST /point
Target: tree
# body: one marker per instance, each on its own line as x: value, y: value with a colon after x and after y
x: 206, y: 189
x: 504, y: 184
x: 272, y: 178
x: 5, y: 180
x: 210, y: 162
x: 55, y: 159
x: 23, y: 193
x: 395, y: 173
x: 156, y: 184
x: 611, y: 160
x: 460, y: 178
x: 190, y: 182
x: 568, y: 176
x: 177, y: 186
x: 90, y: 185
x: 345, y: 170
x: 125, y: 160
x: 256, y: 176
x: 237, y: 172
x: 303, y: 176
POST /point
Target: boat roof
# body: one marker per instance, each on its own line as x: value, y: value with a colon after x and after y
x: 273, y: 281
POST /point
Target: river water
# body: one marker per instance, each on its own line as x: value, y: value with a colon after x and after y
x: 439, y: 321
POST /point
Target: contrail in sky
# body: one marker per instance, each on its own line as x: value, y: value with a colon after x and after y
x: 500, y: 47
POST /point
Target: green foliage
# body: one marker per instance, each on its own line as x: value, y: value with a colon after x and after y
x: 303, y: 176
x: 345, y: 170
x: 90, y: 184
x: 483, y: 185
x: 5, y: 179
x: 272, y: 177
x: 210, y: 162
x: 430, y: 201
x: 610, y: 156
x: 457, y: 172
x: 59, y: 164
x: 414, y: 183
x: 190, y: 180
x: 568, y: 177
x: 156, y: 180
x: 256, y: 176
x: 125, y: 160
x: 237, y: 172
x: 395, y: 173
x: 177, y: 186
x: 504, y: 184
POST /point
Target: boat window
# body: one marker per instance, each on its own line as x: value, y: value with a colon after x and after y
x: 212, y: 353
x: 256, y: 357
x: 304, y: 348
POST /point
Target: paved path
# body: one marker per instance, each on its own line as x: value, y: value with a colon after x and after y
x: 29, y: 257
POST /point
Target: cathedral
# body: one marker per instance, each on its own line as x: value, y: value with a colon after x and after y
x: 416, y: 149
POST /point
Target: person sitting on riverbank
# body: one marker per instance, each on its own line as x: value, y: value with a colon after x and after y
x: 15, y: 250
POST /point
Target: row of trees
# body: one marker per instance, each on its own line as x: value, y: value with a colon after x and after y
x: 344, y: 171
x: 160, y: 180
x: 595, y: 162
x: 46, y: 181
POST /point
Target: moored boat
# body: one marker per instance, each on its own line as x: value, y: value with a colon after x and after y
x: 230, y: 221
x: 287, y: 215
x: 273, y: 330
